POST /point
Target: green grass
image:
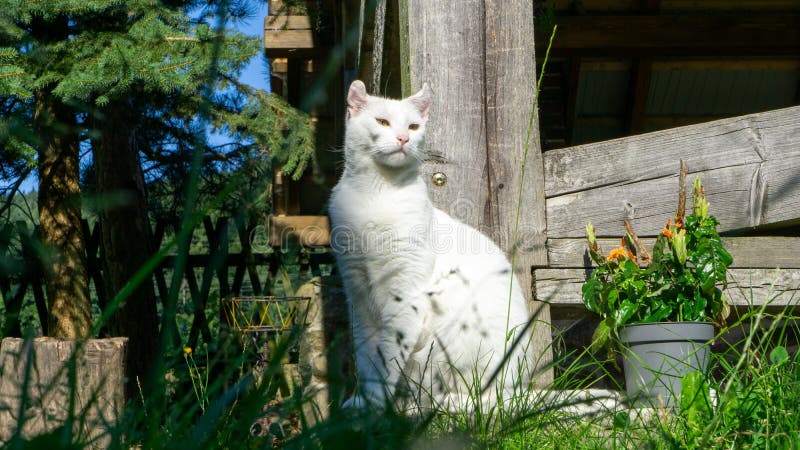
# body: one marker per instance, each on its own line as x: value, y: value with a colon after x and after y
x: 756, y: 380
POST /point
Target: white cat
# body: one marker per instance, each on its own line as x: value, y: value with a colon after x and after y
x: 435, y: 307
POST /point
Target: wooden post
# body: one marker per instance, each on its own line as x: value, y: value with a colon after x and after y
x: 322, y: 350
x: 478, y: 57
x: 42, y: 365
x: 313, y: 360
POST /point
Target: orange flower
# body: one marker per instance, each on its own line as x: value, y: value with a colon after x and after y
x: 619, y: 254
x: 678, y: 221
x: 667, y: 230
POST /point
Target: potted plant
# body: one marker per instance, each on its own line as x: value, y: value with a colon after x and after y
x: 661, y: 307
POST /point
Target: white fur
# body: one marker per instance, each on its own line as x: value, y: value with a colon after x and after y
x: 434, y: 303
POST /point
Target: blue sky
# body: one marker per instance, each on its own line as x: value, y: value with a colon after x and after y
x: 256, y: 73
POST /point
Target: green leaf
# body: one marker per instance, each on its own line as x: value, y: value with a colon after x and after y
x: 601, y: 336
x: 624, y: 313
x: 621, y: 420
x: 695, y: 401
x: 597, y: 258
x: 591, y: 295
x: 779, y: 355
x: 613, y: 296
x: 661, y: 312
x: 629, y: 268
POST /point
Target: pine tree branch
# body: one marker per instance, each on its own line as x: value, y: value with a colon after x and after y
x: 14, y: 189
x: 181, y: 39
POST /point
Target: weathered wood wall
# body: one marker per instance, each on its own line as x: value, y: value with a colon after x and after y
x: 478, y: 57
x: 750, y: 167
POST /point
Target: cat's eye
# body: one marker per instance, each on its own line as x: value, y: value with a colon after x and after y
x: 383, y: 122
x: 413, y: 127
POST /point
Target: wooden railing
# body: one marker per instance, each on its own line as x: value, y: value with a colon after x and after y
x: 23, y: 278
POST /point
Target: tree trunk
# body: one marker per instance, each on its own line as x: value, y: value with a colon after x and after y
x: 126, y: 238
x: 64, y: 252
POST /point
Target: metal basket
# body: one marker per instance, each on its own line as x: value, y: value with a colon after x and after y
x: 266, y: 314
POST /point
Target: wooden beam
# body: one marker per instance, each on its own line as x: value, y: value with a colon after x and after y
x: 600, y: 6
x: 726, y: 5
x: 287, y: 32
x: 638, y: 92
x: 776, y: 64
x: 476, y: 56
x: 672, y: 34
x: 651, y: 123
x: 748, y: 164
x: 309, y: 231
x: 562, y: 287
x: 761, y: 252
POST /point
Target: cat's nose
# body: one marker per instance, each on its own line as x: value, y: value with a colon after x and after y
x: 402, y: 139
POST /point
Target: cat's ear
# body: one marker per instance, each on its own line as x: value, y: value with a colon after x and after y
x: 356, y: 98
x: 422, y: 100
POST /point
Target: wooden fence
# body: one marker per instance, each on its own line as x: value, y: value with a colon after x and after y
x: 750, y: 166
x: 252, y: 270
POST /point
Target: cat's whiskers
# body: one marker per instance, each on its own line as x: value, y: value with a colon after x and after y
x: 414, y: 151
x: 388, y: 149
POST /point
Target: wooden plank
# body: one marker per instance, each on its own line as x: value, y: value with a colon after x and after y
x: 651, y: 123
x: 602, y: 6
x: 309, y: 231
x: 245, y: 231
x: 764, y: 252
x: 675, y: 34
x: 728, y: 64
x: 287, y: 33
x: 749, y: 165
x: 726, y: 5
x: 288, y: 39
x: 746, y: 287
x: 41, y: 366
x: 654, y: 155
x: 480, y: 114
x: 279, y: 23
